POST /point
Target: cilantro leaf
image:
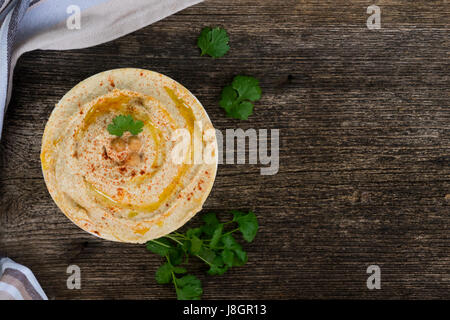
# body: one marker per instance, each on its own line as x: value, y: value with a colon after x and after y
x: 228, y: 257
x: 207, y: 255
x: 210, y: 219
x: 217, y: 267
x: 164, y: 273
x: 212, y: 243
x: 122, y: 123
x: 229, y: 95
x: 179, y: 270
x: 213, y: 42
x: 216, y: 236
x: 243, y: 112
x: 247, y: 87
x: 248, y: 224
x: 241, y: 255
x: 237, y: 98
x: 189, y: 287
x: 229, y: 242
x: 211, y: 223
x: 194, y: 232
x: 196, y: 245
x: 160, y: 246
x: 176, y: 255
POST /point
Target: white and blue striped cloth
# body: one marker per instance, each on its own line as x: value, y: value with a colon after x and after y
x: 27, y: 25
x: 43, y: 24
x: 18, y: 282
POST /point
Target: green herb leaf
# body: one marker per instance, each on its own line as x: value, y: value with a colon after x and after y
x: 215, y: 270
x: 228, y: 257
x: 211, y: 223
x: 230, y: 242
x: 216, y: 236
x: 217, y: 267
x: 207, y: 255
x: 248, y: 224
x: 179, y: 270
x: 194, y: 232
x: 213, y: 42
x: 236, y: 98
x: 196, y: 245
x: 176, y: 255
x: 164, y: 273
x: 211, y: 243
x: 122, y: 123
x: 247, y: 87
x: 241, y: 255
x: 160, y: 246
x: 210, y: 219
x: 189, y: 287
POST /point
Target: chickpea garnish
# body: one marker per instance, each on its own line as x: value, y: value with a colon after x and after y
x: 133, y: 159
x: 134, y: 143
x: 118, y: 145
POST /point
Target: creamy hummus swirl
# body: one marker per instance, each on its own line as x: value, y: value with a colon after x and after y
x: 131, y: 188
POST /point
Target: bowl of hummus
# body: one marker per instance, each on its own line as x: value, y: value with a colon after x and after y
x: 129, y: 155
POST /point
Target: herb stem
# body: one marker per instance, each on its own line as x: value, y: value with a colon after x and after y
x: 230, y: 232
x: 182, y: 236
x: 198, y: 256
x: 160, y: 243
x: 174, y: 280
x: 174, y: 239
x: 203, y: 259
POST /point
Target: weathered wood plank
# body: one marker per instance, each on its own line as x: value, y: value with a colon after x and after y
x: 364, y: 172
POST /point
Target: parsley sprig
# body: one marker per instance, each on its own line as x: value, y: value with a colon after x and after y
x: 236, y: 98
x: 211, y: 243
x: 213, y: 42
x: 122, y: 123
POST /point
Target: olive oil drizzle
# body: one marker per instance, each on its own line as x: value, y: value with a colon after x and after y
x: 188, y: 116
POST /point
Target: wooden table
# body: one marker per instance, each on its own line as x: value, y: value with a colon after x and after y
x: 364, y: 172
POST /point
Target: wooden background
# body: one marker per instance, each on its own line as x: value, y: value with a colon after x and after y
x: 364, y: 171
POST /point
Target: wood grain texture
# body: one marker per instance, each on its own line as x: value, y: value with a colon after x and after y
x: 364, y: 171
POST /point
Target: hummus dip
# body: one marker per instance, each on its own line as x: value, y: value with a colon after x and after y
x: 130, y: 188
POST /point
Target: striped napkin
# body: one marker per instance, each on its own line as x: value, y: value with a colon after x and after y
x: 69, y: 24
x: 18, y: 282
x: 27, y: 25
